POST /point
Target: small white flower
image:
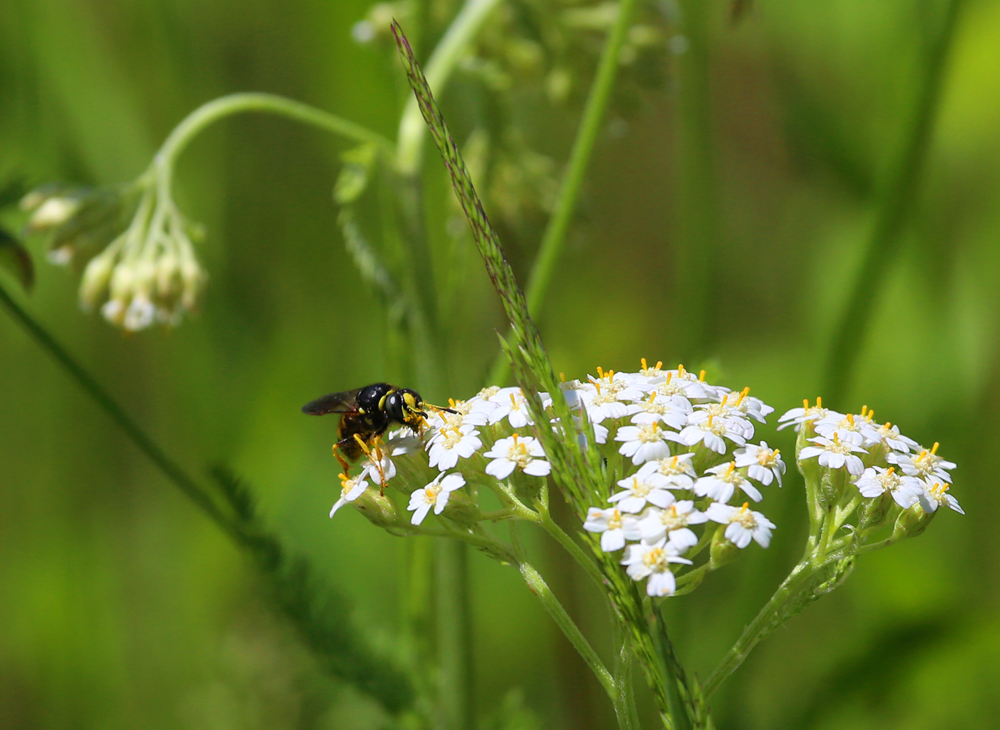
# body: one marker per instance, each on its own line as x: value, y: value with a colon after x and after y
x: 677, y: 469
x: 401, y: 442
x: 672, y: 523
x: 722, y: 412
x: 651, y: 489
x: 798, y: 416
x: 521, y: 452
x: 434, y: 495
x: 510, y: 404
x: 744, y: 524
x: 381, y: 469
x: 350, y: 490
x: 448, y: 444
x: 644, y: 443
x: 876, y: 481
x: 752, y: 407
x: 895, y: 440
x: 935, y: 494
x: 724, y: 482
x: 856, y: 429
x: 671, y: 411
x: 712, y: 433
x: 926, y: 464
x: 834, y: 454
x: 616, y: 527
x: 681, y: 382
x: 764, y: 463
x: 653, y: 561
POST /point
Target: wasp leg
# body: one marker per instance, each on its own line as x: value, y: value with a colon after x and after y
x: 375, y: 460
x: 343, y: 462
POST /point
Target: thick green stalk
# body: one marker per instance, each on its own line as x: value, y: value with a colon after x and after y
x: 591, y: 125
x: 454, y: 631
x: 893, y: 203
x: 698, y: 230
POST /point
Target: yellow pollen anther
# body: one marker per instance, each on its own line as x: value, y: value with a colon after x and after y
x: 701, y: 376
x: 669, y: 378
x: 600, y: 371
x: 731, y: 469
x: 562, y: 377
x: 680, y: 370
x: 710, y: 417
x: 774, y: 454
x: 513, y: 402
x: 659, y: 364
x: 819, y: 402
x: 451, y: 402
x: 890, y: 470
x: 743, y: 394
x: 864, y: 410
x: 836, y: 438
x: 643, y: 361
x: 597, y: 384
x: 343, y: 478
x: 652, y: 396
x: 745, y: 507
x: 805, y: 404
x: 850, y: 419
x: 934, y: 448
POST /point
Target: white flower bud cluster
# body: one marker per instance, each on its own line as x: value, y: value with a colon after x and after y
x: 678, y: 449
x: 138, y: 273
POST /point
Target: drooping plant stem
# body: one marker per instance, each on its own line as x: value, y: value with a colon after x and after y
x: 893, y: 201
x: 240, y: 103
x: 591, y: 124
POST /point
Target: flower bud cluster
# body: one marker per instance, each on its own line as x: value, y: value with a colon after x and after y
x: 853, y: 463
x: 679, y: 452
x: 140, y: 271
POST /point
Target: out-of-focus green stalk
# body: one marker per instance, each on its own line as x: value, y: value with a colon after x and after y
x: 170, y: 469
x: 698, y: 230
x: 569, y: 193
x: 454, y: 632
x: 461, y: 32
x: 893, y: 203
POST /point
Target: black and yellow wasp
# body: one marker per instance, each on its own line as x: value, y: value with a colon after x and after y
x: 367, y: 413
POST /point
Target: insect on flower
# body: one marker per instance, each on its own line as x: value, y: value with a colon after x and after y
x: 367, y: 413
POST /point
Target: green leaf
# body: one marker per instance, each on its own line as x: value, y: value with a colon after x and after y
x: 15, y: 260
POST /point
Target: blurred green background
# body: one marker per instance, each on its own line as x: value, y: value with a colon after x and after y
x: 121, y: 606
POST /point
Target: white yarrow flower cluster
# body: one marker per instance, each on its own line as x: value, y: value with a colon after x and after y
x: 484, y: 441
x: 684, y: 454
x: 880, y: 462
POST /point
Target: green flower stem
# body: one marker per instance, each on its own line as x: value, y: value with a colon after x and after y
x: 570, y: 630
x: 569, y: 193
x: 894, y: 201
x: 226, y: 106
x: 170, y: 469
x: 461, y: 32
x: 625, y: 709
x: 767, y: 620
x: 454, y: 632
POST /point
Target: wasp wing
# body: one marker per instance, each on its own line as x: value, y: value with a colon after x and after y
x: 346, y: 402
